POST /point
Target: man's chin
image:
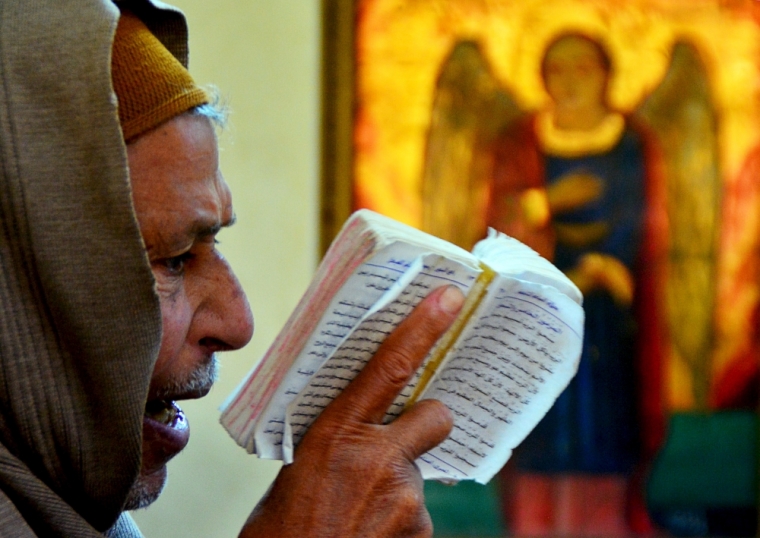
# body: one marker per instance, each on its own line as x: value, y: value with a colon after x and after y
x: 146, y: 489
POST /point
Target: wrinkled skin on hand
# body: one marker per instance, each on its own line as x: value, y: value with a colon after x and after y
x: 352, y: 476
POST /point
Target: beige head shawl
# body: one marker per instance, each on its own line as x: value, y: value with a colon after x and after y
x: 79, y: 321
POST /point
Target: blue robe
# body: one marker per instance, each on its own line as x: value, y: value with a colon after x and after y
x: 593, y: 427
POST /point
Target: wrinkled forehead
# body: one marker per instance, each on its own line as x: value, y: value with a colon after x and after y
x: 176, y: 183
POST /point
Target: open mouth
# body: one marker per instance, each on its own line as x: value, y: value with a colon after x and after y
x: 163, y: 409
x: 166, y: 432
x: 166, y: 412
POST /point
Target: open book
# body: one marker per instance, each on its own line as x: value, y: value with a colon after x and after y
x: 512, y: 350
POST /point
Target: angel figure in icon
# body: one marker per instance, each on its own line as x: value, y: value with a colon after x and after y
x: 628, y: 206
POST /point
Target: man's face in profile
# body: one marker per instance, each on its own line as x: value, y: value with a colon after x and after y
x: 182, y: 201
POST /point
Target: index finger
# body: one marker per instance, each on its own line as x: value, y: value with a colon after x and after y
x: 368, y: 397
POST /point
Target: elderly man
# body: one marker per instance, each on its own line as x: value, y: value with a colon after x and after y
x: 114, y: 299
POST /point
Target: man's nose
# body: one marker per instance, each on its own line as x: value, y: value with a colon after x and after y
x: 225, y: 313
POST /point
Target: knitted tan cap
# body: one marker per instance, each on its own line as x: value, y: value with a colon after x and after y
x: 151, y: 85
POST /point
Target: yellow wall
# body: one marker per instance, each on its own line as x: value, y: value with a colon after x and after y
x: 264, y: 57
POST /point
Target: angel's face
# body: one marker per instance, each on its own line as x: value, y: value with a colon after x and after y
x: 575, y: 75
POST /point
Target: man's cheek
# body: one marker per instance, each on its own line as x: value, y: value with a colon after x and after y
x: 176, y: 318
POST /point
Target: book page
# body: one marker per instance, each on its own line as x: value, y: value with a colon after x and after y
x: 364, y: 292
x: 508, y: 256
x: 363, y: 235
x: 518, y: 353
x: 427, y: 273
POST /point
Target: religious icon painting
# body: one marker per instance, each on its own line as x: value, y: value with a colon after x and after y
x: 619, y: 139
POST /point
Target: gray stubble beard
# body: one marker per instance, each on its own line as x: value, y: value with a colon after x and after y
x: 143, y: 492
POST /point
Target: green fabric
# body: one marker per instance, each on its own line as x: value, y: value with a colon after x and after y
x: 709, y: 460
x: 465, y: 509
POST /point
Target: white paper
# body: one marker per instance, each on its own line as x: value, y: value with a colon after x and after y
x: 363, y: 293
x: 425, y: 274
x: 518, y: 354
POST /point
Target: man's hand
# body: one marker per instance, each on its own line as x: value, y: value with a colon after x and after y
x: 352, y: 476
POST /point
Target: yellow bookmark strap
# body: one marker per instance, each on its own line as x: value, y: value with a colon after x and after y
x: 477, y: 292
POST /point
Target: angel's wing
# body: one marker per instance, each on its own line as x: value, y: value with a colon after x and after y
x: 681, y: 113
x: 469, y: 109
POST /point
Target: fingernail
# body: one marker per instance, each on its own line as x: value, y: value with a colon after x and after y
x: 451, y: 300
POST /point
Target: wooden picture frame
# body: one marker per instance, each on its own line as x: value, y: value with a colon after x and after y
x: 337, y: 100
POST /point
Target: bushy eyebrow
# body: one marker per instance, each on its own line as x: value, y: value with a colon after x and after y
x: 202, y: 229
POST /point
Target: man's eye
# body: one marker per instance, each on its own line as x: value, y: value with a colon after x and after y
x: 176, y: 264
